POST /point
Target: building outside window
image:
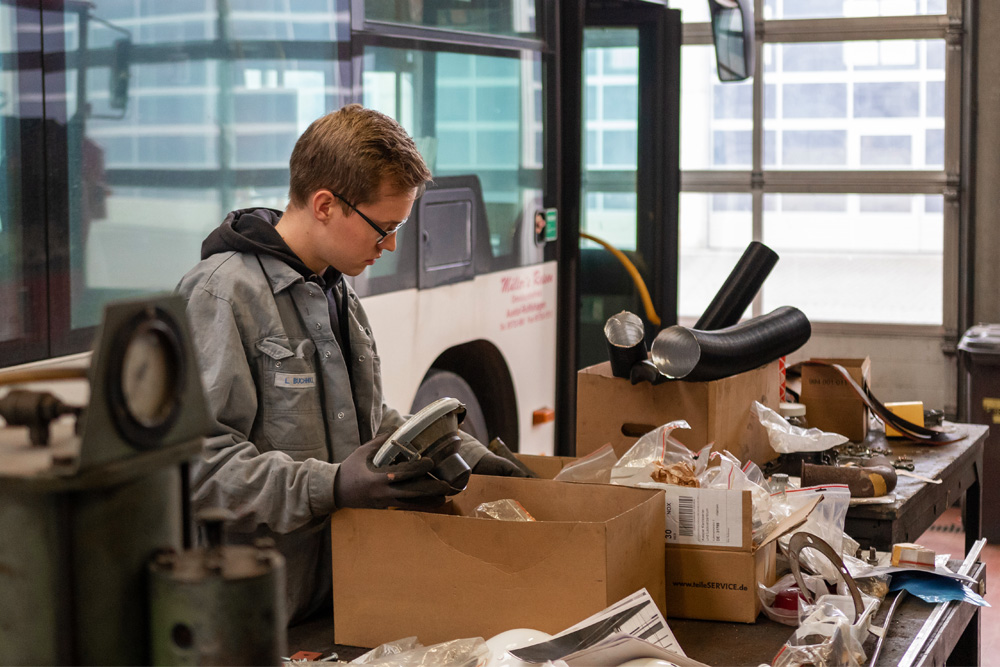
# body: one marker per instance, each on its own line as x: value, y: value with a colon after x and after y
x: 834, y: 155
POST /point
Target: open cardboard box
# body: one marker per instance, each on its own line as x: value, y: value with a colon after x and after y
x: 712, y: 567
x: 831, y: 404
x: 546, y: 467
x: 712, y: 573
x: 443, y: 576
x: 611, y: 409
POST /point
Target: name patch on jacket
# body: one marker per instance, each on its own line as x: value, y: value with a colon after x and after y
x: 295, y: 380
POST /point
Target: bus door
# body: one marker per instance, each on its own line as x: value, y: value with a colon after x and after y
x: 630, y: 167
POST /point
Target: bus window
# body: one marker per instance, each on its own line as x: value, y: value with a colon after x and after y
x: 515, y: 19
x: 472, y: 114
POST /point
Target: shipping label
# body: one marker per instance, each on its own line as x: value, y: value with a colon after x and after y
x: 712, y: 517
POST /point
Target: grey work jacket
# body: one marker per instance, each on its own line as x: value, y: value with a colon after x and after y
x: 277, y: 385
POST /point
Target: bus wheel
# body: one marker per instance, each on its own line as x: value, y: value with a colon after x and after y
x: 439, y: 384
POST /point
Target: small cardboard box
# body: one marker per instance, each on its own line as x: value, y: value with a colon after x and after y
x: 831, y: 403
x: 610, y: 409
x: 447, y: 576
x: 712, y: 573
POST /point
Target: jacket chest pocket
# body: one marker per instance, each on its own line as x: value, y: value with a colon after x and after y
x: 293, y: 412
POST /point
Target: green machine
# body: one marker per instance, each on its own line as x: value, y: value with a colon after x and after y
x: 94, y: 493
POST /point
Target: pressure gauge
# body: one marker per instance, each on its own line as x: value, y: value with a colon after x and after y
x: 145, y: 377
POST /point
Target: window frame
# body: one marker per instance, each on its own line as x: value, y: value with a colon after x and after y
x: 948, y: 181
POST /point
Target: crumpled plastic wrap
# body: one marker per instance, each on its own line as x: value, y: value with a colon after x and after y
x: 505, y: 509
x: 786, y: 438
x: 386, y: 650
x: 824, y: 639
x: 409, y: 653
x: 781, y: 602
x: 654, y: 450
x: 594, y: 467
x: 826, y: 522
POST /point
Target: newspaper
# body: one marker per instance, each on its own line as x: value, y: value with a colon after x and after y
x: 629, y: 629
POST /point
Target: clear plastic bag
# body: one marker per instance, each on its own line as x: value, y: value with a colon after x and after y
x: 505, y: 509
x: 823, y: 609
x: 825, y: 522
x: 656, y: 447
x: 781, y: 601
x: 824, y: 639
x: 729, y: 474
x: 594, y: 467
x: 658, y: 455
x: 786, y: 438
x: 387, y: 649
x: 456, y: 653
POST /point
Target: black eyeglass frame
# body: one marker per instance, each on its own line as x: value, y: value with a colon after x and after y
x: 382, y: 233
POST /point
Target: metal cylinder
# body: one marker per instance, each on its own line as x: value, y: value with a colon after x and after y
x: 625, y: 336
x: 221, y: 605
x: 73, y: 561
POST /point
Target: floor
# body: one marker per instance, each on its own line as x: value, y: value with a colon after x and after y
x: 946, y: 536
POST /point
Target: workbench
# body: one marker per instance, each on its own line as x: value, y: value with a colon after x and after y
x: 918, y: 504
x: 955, y: 640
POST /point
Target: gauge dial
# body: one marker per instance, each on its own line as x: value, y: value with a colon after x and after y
x: 145, y: 381
x: 149, y: 377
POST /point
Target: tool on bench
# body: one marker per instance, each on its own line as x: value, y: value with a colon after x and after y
x: 863, y: 481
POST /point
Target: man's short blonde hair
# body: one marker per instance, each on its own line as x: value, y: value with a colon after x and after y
x: 352, y: 152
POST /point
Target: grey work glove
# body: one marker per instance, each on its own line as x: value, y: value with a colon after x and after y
x: 406, y: 485
x: 491, y: 464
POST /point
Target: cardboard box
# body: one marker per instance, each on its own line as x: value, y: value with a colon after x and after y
x: 545, y: 467
x: 831, y: 403
x: 447, y: 576
x: 610, y: 409
x: 714, y: 578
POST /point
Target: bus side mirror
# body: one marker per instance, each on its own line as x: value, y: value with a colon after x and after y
x: 733, y: 35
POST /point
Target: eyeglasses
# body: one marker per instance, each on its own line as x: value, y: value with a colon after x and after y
x: 383, y: 234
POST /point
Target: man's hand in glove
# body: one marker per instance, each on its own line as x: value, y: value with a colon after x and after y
x: 360, y: 484
x: 491, y: 464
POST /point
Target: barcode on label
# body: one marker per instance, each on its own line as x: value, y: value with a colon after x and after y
x: 685, y: 515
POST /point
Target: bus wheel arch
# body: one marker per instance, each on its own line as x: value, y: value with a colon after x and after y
x: 477, y: 374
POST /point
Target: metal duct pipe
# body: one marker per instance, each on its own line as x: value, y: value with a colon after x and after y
x: 740, y: 287
x: 690, y: 354
x: 625, y: 336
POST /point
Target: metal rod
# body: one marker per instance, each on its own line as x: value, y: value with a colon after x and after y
x: 885, y: 627
x: 928, y: 627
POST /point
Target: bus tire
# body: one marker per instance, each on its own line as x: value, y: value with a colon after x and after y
x: 439, y: 384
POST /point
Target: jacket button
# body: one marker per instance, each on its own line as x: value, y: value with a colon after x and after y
x: 277, y: 364
x: 340, y: 415
x: 319, y: 326
x: 361, y: 358
x: 327, y: 354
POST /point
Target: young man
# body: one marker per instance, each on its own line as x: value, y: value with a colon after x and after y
x: 287, y: 355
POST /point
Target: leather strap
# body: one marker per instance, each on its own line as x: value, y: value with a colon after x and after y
x: 932, y: 436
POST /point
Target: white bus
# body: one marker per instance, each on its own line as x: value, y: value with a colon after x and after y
x: 155, y: 119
